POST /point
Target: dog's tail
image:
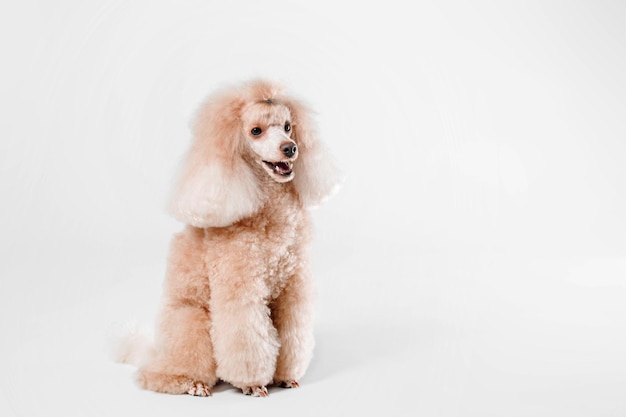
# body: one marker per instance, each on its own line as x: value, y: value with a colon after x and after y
x: 130, y: 344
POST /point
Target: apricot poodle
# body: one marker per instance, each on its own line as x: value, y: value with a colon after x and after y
x: 238, y: 299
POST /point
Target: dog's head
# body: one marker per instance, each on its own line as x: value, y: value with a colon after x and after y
x: 268, y: 127
x: 243, y: 137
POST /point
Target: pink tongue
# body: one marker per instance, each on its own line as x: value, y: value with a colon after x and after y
x: 283, y: 167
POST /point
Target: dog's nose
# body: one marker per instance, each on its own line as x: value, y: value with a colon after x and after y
x: 289, y: 149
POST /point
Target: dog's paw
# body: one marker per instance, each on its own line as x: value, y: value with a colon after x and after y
x: 255, y: 391
x: 199, y: 389
x: 290, y: 383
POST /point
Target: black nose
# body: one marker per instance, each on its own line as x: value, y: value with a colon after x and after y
x: 289, y: 149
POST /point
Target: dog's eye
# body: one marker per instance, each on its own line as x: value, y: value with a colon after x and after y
x: 256, y: 131
x: 287, y: 127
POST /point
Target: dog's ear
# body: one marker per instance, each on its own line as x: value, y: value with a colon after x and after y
x: 316, y: 174
x: 215, y: 187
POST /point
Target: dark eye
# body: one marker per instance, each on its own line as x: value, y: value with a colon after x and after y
x: 256, y: 131
x: 287, y: 127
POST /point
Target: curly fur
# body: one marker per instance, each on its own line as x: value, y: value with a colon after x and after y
x: 238, y: 299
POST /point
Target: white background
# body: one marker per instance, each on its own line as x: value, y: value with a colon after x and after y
x: 473, y: 264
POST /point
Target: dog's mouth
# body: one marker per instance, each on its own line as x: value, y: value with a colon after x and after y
x: 281, y: 169
x: 284, y: 168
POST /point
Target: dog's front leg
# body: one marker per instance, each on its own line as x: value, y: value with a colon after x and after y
x: 292, y: 314
x: 245, y: 341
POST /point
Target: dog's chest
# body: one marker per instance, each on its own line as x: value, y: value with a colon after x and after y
x: 279, y: 250
x: 265, y: 250
x: 281, y: 259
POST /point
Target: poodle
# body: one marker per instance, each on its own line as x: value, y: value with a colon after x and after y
x: 238, y: 296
